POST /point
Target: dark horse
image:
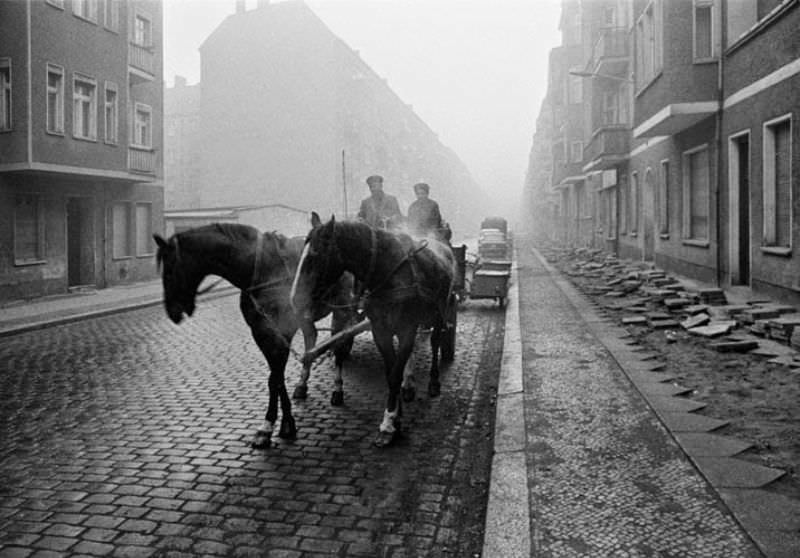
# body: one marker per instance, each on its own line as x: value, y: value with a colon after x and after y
x: 406, y: 284
x: 263, y: 267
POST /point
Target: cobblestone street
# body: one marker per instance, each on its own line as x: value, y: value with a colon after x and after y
x: 129, y: 436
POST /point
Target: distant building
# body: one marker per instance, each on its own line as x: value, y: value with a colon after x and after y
x: 80, y: 144
x: 289, y: 114
x: 289, y: 221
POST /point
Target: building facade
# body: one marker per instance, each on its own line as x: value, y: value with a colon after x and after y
x: 80, y: 144
x: 689, y: 145
x: 289, y: 114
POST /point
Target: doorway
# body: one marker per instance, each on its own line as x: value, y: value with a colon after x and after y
x: 739, y: 218
x: 80, y: 242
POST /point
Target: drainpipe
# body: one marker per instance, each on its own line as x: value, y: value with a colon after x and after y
x: 718, y: 141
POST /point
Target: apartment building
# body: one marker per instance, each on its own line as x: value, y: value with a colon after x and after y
x: 289, y: 114
x: 689, y: 137
x: 80, y: 144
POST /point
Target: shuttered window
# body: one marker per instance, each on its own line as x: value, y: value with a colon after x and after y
x: 28, y: 229
x: 121, y: 230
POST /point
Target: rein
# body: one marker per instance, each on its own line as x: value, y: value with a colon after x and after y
x: 407, y: 258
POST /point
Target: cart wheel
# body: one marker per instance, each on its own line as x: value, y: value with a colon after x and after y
x: 448, y: 346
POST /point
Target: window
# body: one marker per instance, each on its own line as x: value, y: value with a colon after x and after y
x: 121, y: 230
x: 610, y: 105
x: 142, y: 126
x: 84, y: 108
x: 576, y: 154
x: 624, y: 207
x: 111, y: 14
x: 28, y: 229
x: 634, y: 202
x: 111, y: 113
x: 5, y: 94
x: 55, y: 99
x: 86, y: 9
x: 142, y: 31
x: 696, y: 194
x: 663, y: 198
x: 777, y: 183
x: 703, y: 30
x: 575, y: 87
x: 144, y: 229
x: 649, y: 35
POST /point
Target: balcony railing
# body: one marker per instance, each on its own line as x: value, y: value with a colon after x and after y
x: 142, y: 58
x: 608, y: 146
x: 611, y: 51
x: 142, y: 160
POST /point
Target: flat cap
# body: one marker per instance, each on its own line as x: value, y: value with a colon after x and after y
x: 375, y: 179
x: 422, y: 186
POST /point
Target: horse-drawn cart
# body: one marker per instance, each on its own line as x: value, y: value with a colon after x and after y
x: 492, y: 270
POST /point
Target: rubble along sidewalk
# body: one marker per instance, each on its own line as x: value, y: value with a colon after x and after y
x: 604, y: 475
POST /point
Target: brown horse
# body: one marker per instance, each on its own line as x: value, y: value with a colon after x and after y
x: 262, y: 266
x: 406, y: 284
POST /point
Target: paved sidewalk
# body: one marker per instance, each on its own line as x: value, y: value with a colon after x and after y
x: 20, y: 316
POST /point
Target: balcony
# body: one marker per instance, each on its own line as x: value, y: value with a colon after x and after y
x: 142, y: 160
x: 141, y: 62
x: 609, y: 146
x: 611, y: 52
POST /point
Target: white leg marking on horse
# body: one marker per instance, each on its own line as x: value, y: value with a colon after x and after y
x: 387, y: 425
x: 297, y: 277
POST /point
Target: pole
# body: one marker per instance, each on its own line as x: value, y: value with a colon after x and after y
x: 344, y: 187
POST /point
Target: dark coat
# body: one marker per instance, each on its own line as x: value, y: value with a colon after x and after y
x: 424, y: 217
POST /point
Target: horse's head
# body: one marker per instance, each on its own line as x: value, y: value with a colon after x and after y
x: 180, y: 287
x: 320, y: 265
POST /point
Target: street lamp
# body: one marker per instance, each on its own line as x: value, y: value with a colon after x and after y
x: 596, y: 75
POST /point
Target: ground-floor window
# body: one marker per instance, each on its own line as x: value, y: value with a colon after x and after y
x: 634, y: 203
x: 121, y: 230
x: 29, y: 229
x: 696, y: 194
x: 778, y: 183
x: 144, y: 229
x: 663, y: 198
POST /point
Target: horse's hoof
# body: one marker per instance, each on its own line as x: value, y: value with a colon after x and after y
x: 337, y: 398
x: 300, y: 392
x: 409, y: 394
x: 288, y: 429
x: 383, y: 439
x: 434, y: 389
x: 262, y: 440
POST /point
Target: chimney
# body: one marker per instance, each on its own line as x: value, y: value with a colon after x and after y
x: 239, y: 6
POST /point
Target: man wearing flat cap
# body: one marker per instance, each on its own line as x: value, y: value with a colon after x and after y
x: 424, y: 217
x: 379, y: 210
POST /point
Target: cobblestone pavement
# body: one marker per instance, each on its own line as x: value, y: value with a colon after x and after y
x: 128, y: 436
x: 605, y: 477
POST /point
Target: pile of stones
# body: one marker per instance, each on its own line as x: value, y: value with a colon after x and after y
x: 649, y: 297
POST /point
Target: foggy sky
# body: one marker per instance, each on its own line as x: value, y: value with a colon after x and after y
x: 474, y: 70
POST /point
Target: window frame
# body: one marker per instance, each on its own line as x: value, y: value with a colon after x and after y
x: 649, y: 35
x: 712, y: 23
x: 147, y: 39
x: 687, y: 196
x: 6, y: 98
x: 769, y: 187
x: 129, y: 249
x: 111, y: 15
x: 633, y: 206
x: 40, y: 256
x: 92, y: 107
x: 663, y: 198
x: 137, y: 106
x: 111, y: 139
x: 91, y: 10
x: 576, y: 151
x: 60, y: 94
x: 145, y: 238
